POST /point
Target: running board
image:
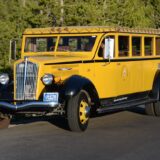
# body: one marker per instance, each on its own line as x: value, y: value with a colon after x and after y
x: 124, y: 105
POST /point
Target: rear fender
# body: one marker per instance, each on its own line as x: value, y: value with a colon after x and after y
x: 156, y: 86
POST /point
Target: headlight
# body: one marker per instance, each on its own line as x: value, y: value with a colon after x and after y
x: 4, y: 78
x: 47, y: 79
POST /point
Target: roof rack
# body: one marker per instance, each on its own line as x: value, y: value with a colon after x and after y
x: 91, y: 29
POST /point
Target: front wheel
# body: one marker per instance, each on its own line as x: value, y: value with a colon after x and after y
x: 78, y: 111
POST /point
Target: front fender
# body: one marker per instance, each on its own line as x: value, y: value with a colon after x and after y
x: 72, y: 86
x: 7, y: 92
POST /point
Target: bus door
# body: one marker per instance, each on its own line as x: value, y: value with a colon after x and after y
x: 105, y: 69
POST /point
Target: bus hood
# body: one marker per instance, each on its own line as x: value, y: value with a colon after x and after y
x: 57, y: 59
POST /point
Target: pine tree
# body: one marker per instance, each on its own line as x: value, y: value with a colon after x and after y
x: 16, y: 15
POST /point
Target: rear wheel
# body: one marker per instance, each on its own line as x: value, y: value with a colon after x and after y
x: 4, y: 121
x: 149, y: 109
x: 157, y: 108
x: 153, y: 109
x: 78, y: 111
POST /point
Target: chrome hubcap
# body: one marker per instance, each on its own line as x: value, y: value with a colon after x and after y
x: 87, y: 111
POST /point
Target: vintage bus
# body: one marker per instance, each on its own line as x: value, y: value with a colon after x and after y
x: 76, y: 71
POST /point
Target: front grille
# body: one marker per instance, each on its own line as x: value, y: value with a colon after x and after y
x: 26, y: 80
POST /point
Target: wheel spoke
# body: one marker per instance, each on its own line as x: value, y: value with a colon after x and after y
x: 82, y: 112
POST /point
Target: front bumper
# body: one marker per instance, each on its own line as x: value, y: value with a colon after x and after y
x: 28, y: 106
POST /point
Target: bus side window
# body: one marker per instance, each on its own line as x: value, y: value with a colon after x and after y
x: 148, y: 45
x: 123, y: 45
x: 158, y: 46
x: 136, y: 46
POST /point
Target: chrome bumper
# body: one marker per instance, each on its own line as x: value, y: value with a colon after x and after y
x: 27, y: 106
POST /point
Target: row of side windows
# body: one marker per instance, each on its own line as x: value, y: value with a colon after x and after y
x: 136, y: 46
x: 136, y: 41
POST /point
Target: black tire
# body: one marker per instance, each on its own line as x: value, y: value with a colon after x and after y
x: 149, y: 109
x: 77, y: 120
x: 157, y: 108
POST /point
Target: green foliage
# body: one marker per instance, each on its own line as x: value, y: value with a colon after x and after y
x: 16, y: 15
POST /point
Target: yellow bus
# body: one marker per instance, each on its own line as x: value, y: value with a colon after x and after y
x: 75, y: 71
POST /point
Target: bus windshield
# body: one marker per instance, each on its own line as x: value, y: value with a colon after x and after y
x: 76, y: 43
x: 65, y: 44
x: 40, y: 44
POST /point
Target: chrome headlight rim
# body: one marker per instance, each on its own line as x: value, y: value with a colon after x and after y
x: 47, y: 79
x: 4, y: 78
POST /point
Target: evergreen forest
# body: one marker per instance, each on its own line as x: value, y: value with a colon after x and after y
x: 17, y: 15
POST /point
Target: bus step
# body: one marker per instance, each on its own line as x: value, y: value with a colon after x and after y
x: 124, y: 105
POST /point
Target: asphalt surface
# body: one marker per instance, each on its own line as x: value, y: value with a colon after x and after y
x: 123, y: 135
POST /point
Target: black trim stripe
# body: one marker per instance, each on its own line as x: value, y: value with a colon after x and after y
x: 72, y: 62
x: 112, y: 60
x: 128, y: 59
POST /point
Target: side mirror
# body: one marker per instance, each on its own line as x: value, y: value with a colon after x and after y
x: 109, y: 48
x: 13, y: 50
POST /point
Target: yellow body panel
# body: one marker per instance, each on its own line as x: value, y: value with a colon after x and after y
x: 121, y: 76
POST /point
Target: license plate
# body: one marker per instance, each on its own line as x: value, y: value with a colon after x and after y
x: 50, y: 97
